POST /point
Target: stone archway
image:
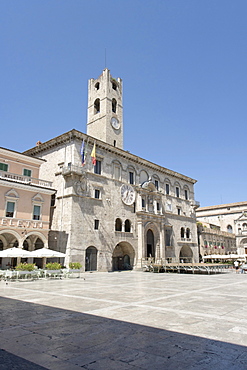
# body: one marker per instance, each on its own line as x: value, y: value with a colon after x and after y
x: 186, y: 254
x: 151, y: 241
x: 9, y: 239
x: 243, y: 246
x: 123, y: 257
x: 91, y: 259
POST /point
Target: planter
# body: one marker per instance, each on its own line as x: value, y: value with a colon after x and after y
x: 53, y: 273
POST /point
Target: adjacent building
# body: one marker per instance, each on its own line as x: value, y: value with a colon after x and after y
x: 114, y: 209
x: 229, y: 218
x: 25, y: 202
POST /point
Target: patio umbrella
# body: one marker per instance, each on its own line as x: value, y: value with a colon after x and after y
x: 15, y: 252
x: 46, y: 252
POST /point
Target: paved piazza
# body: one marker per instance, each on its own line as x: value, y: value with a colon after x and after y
x: 125, y: 320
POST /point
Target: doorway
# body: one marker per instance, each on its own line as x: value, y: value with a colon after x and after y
x: 91, y: 259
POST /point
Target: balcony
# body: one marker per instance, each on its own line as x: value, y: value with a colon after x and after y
x: 72, y: 170
x: 195, y: 204
x: 24, y: 179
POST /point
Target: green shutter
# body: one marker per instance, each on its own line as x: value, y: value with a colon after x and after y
x: 3, y: 167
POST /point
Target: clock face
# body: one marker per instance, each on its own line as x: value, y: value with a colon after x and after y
x: 115, y: 123
x: 127, y: 194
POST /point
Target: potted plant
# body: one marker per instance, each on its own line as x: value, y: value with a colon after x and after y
x: 25, y: 269
x: 74, y: 268
x: 75, y: 265
x: 53, y: 269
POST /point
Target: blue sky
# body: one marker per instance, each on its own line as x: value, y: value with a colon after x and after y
x: 183, y: 65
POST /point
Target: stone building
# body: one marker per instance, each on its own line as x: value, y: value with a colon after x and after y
x: 114, y: 213
x: 230, y: 218
x: 25, y: 202
x: 212, y: 240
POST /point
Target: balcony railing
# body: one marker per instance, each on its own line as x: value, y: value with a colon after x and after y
x: 25, y: 179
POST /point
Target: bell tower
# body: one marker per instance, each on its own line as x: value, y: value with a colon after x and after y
x: 105, y: 109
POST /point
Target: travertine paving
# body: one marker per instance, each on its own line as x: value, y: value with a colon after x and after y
x: 125, y: 320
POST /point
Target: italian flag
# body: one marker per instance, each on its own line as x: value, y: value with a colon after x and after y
x: 93, y: 155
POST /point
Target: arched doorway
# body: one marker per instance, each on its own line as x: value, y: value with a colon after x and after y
x: 91, y: 259
x: 150, y: 249
x: 123, y: 257
x: 243, y: 246
x: 186, y: 254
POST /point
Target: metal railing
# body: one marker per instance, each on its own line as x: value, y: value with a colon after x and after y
x: 25, y: 179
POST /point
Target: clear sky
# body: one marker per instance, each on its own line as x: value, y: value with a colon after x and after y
x: 183, y: 65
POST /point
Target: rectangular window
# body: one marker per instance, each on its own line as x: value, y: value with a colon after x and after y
x: 177, y: 192
x: 167, y: 189
x: 143, y: 203
x: 53, y: 200
x: 3, y: 167
x: 27, y: 172
x: 186, y: 194
x: 36, y: 212
x: 97, y: 167
x: 179, y: 211
x: 96, y: 193
x: 131, y: 178
x: 156, y: 183
x: 96, y: 224
x: 158, y: 206
x: 117, y: 172
x: 10, y: 209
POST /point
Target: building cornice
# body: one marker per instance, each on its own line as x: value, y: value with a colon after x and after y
x: 27, y: 187
x: 20, y: 156
x: 221, y: 206
x: 77, y: 135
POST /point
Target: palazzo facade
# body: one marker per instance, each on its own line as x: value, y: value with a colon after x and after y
x: 120, y: 210
x: 25, y: 202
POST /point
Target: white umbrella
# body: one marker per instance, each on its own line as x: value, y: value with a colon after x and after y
x: 15, y: 252
x: 46, y: 252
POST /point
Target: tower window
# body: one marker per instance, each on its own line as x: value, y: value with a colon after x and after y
x: 96, y: 224
x: 167, y: 189
x: 156, y: 183
x: 97, y: 106
x: 177, y: 192
x: 97, y: 193
x: 186, y: 194
x: 114, y: 105
x: 114, y: 85
x: 97, y: 86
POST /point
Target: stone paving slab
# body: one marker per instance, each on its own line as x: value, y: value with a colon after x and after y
x: 127, y: 320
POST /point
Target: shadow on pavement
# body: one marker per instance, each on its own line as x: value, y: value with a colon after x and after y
x: 61, y: 339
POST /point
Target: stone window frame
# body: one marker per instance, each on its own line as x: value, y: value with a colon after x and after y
x: 11, y: 197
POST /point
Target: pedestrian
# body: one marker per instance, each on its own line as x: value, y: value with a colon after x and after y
x: 236, y: 265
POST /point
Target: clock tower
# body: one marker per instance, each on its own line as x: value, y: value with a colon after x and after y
x: 105, y: 109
